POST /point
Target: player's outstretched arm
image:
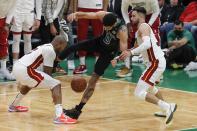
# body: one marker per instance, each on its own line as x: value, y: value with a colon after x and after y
x: 86, y: 15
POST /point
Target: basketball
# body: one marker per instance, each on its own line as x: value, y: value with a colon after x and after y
x: 78, y: 84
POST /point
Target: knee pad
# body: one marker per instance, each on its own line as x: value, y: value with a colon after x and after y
x: 141, y: 89
x: 16, y: 43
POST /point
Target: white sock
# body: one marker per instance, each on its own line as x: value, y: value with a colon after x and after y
x: 14, y: 61
x: 163, y: 105
x: 82, y: 60
x: 18, y: 98
x: 127, y: 62
x: 58, y: 110
x: 3, y: 64
x: 96, y: 58
x: 27, y: 43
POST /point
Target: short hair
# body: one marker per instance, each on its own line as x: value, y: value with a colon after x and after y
x: 109, y: 19
x: 140, y: 10
x: 178, y: 22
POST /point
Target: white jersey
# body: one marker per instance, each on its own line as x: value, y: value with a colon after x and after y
x: 44, y: 55
x: 90, y: 4
x: 151, y: 6
x: 151, y: 54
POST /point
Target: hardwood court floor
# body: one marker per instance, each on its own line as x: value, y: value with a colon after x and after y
x: 112, y: 108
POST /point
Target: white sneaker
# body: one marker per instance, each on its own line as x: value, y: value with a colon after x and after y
x: 160, y: 114
x: 170, y: 112
x: 71, y: 64
x: 7, y: 75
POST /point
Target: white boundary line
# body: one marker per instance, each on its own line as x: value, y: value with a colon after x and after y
x: 189, y: 92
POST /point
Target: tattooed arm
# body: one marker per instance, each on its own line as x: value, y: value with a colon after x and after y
x: 123, y: 36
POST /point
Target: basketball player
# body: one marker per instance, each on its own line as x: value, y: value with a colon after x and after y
x: 6, y: 9
x: 107, y: 45
x: 155, y: 64
x: 24, y: 22
x: 27, y: 74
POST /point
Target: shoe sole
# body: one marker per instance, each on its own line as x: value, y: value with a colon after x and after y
x: 171, y: 115
x: 127, y: 75
x: 157, y: 115
x: 56, y: 122
x: 10, y: 110
x: 81, y: 72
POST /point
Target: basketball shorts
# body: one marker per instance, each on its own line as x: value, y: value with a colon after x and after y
x: 22, y: 22
x: 33, y: 78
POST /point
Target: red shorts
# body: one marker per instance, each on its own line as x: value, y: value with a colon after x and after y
x: 82, y: 28
x: 3, y: 39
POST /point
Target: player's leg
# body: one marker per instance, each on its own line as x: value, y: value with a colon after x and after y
x: 100, y: 66
x: 16, y: 30
x: 55, y: 86
x: 15, y: 105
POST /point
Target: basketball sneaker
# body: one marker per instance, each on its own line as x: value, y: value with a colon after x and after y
x: 63, y: 119
x: 17, y: 109
x: 160, y: 114
x: 80, y: 69
x: 170, y: 112
x: 124, y: 72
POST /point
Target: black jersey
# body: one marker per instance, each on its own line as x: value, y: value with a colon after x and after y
x: 109, y: 40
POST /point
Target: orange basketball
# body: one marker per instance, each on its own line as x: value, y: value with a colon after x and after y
x: 78, y: 84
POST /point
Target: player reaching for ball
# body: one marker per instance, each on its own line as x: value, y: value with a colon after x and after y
x: 27, y: 74
x: 155, y: 64
x: 113, y: 39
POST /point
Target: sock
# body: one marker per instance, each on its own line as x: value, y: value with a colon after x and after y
x: 58, y: 110
x: 18, y: 98
x: 163, y: 105
x: 127, y: 62
x: 14, y: 61
x: 96, y: 58
x: 82, y: 60
x: 80, y: 106
x: 3, y: 64
x: 27, y: 43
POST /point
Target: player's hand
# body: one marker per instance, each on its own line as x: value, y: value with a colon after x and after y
x: 36, y: 25
x: 53, y: 30
x: 113, y: 62
x: 125, y: 54
x: 7, y: 28
x: 72, y: 113
x: 72, y: 17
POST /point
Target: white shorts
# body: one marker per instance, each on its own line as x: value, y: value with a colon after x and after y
x: 33, y: 78
x: 153, y: 72
x: 23, y: 22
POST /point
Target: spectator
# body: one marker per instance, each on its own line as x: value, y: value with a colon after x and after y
x: 83, y: 24
x: 7, y: 7
x: 170, y: 13
x: 115, y: 7
x: 25, y: 23
x: 189, y: 16
x: 49, y: 24
x: 181, y: 46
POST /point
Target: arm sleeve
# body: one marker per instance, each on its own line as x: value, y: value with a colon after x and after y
x: 144, y: 46
x: 124, y: 9
x: 48, y: 56
x: 49, y: 15
x: 38, y: 9
x: 156, y: 11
